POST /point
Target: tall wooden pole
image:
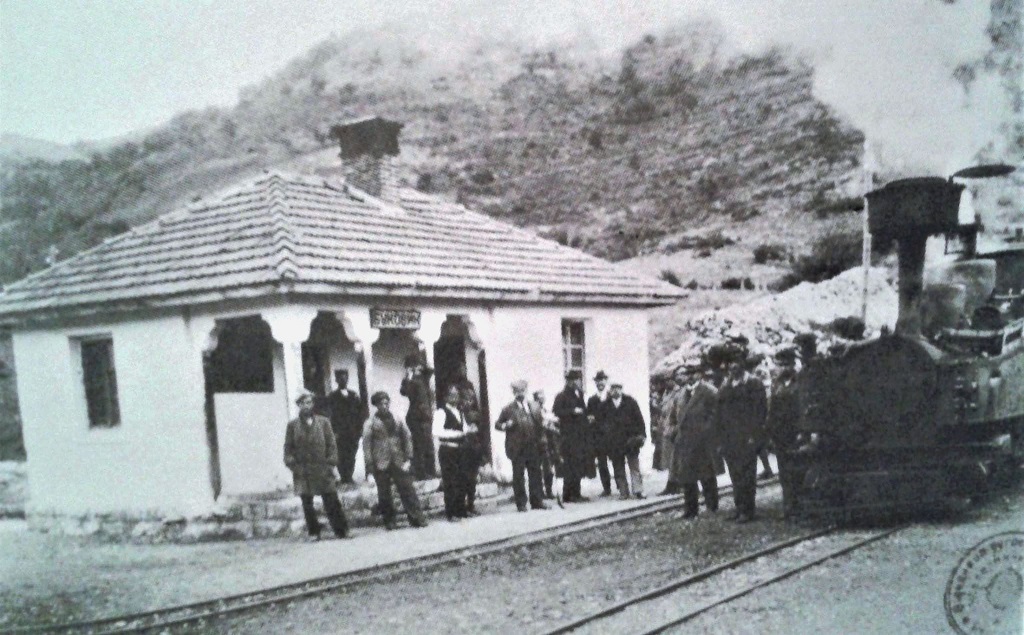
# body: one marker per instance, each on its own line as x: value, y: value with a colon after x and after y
x: 868, y: 165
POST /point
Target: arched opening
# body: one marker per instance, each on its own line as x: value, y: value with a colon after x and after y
x: 459, y: 360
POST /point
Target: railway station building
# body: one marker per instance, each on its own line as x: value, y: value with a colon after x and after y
x: 156, y: 371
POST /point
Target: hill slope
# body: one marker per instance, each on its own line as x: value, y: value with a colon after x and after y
x: 616, y: 156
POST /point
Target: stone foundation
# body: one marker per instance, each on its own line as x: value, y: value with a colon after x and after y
x: 270, y: 515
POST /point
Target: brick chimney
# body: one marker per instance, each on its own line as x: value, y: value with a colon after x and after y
x: 368, y: 149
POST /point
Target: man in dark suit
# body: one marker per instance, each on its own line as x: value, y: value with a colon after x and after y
x: 523, y: 425
x: 416, y: 388
x: 782, y: 428
x: 571, y: 410
x: 696, y: 458
x: 597, y: 404
x: 625, y: 433
x: 742, y: 408
x: 345, y: 408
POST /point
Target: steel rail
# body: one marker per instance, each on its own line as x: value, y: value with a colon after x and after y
x: 206, y: 610
x: 860, y: 544
x: 682, y: 582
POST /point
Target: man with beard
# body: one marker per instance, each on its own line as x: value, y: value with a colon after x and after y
x: 597, y: 404
x: 571, y: 410
x: 523, y: 424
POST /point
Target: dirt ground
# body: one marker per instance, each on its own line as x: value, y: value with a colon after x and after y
x: 896, y: 585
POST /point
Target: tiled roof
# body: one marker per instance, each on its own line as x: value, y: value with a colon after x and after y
x: 284, y: 233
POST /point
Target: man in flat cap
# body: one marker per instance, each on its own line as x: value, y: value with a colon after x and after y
x: 571, y: 410
x: 597, y: 416
x: 311, y: 453
x: 523, y: 424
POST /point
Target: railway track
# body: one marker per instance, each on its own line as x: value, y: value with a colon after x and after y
x: 195, y: 615
x: 680, y: 601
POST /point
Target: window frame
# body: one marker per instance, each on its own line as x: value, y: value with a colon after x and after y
x: 110, y: 399
x: 568, y: 347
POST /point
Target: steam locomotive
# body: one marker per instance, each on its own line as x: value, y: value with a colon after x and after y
x: 936, y: 409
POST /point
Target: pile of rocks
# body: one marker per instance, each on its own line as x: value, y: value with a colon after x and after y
x: 770, y: 323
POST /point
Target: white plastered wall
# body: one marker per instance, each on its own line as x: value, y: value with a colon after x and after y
x: 155, y: 461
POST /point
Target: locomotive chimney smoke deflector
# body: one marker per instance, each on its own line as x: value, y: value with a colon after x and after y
x: 369, y: 146
x: 909, y: 211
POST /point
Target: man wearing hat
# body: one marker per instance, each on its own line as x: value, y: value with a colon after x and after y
x: 696, y: 459
x: 670, y: 408
x: 742, y: 408
x: 571, y: 410
x: 311, y: 453
x: 388, y: 452
x: 523, y: 424
x: 597, y: 416
x: 416, y: 388
x: 781, y: 425
x: 347, y: 417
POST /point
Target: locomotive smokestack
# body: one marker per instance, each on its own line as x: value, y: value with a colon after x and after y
x: 909, y: 211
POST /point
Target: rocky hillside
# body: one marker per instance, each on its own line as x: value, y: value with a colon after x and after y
x: 640, y: 153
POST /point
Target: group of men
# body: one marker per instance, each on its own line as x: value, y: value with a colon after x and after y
x: 575, y: 440
x: 719, y: 416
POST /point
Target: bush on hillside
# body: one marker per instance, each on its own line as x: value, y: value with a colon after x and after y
x: 769, y: 251
x: 831, y: 255
x: 671, y: 277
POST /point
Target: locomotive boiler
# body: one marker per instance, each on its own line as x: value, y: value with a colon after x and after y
x: 935, y: 409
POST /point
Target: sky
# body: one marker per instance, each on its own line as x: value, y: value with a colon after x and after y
x: 93, y: 70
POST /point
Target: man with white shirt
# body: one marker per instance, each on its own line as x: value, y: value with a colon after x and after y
x: 523, y: 425
x: 451, y: 429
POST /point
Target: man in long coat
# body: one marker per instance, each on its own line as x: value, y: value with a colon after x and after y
x: 347, y: 417
x: 523, y: 424
x: 416, y: 388
x: 782, y: 428
x: 742, y: 408
x: 670, y: 406
x: 625, y: 433
x: 571, y: 410
x: 311, y: 453
x: 696, y: 459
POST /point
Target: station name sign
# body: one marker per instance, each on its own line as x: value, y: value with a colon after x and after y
x: 395, y: 319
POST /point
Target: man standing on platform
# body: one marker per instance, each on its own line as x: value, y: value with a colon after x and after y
x: 469, y: 403
x: 625, y: 435
x: 783, y: 417
x: 347, y: 417
x: 311, y: 453
x: 523, y: 424
x: 387, y: 450
x: 696, y: 458
x: 552, y: 461
x: 670, y: 406
x: 452, y: 431
x: 416, y: 388
x: 571, y: 410
x: 596, y: 406
x: 743, y: 406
